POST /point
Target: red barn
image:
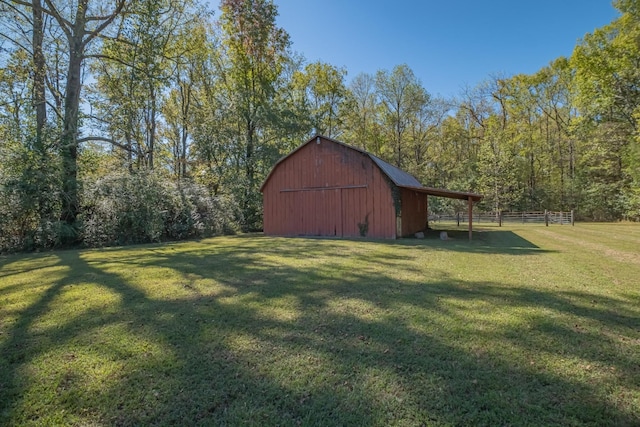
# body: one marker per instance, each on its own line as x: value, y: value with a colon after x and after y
x: 328, y: 188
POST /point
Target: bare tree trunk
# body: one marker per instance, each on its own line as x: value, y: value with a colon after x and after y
x: 44, y: 208
x: 78, y: 36
x: 69, y: 146
x: 398, y: 134
x: 186, y: 104
x: 129, y: 145
x: 250, y: 175
x: 39, y: 100
x: 183, y: 155
x: 152, y: 127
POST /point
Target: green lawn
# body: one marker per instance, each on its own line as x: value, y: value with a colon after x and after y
x: 525, y: 325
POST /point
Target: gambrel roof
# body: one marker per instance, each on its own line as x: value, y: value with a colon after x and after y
x: 399, y: 177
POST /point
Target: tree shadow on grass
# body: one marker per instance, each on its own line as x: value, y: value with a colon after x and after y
x: 485, y: 240
x: 243, y: 338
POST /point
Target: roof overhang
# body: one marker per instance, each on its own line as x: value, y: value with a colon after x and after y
x: 439, y: 192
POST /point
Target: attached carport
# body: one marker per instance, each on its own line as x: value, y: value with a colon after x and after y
x: 438, y: 192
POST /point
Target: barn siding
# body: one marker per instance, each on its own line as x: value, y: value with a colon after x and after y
x: 414, y: 211
x: 310, y: 206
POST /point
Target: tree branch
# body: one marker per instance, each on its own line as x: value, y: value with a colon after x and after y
x: 55, y: 110
x: 16, y: 10
x: 116, y: 39
x: 104, y: 139
x: 16, y: 42
x: 105, y: 24
x: 114, y: 59
x: 64, y: 24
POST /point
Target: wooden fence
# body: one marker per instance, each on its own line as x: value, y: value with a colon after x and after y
x: 541, y: 217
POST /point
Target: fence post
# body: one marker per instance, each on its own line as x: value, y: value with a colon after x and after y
x: 572, y: 223
x: 500, y: 218
x: 546, y: 218
x: 458, y: 218
x: 470, y: 218
x: 523, y: 217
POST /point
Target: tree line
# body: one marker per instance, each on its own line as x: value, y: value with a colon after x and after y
x: 130, y: 121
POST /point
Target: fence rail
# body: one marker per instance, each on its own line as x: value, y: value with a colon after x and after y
x: 540, y: 217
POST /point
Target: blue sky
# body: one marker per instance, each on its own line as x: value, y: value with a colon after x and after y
x: 449, y: 44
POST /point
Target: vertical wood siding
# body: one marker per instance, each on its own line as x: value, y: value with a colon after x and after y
x: 328, y: 189
x: 414, y: 212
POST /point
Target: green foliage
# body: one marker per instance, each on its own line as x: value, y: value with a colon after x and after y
x: 401, y: 98
x: 323, y: 93
x: 607, y: 81
x: 601, y: 172
x: 607, y: 74
x: 498, y: 164
x: 254, y: 53
x: 361, y: 115
x: 29, y: 200
x: 124, y: 208
x: 633, y: 202
x: 137, y: 69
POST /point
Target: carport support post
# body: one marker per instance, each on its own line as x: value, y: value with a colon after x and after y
x: 470, y: 217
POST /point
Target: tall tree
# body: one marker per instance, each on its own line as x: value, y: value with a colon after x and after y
x: 401, y: 96
x: 554, y: 96
x: 293, y: 121
x: 607, y: 64
x: 190, y: 62
x: 256, y: 50
x: 81, y: 25
x: 361, y: 114
x: 423, y: 126
x: 136, y: 69
x: 325, y: 91
x: 452, y: 155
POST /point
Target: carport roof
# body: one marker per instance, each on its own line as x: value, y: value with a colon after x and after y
x: 439, y: 192
x: 405, y: 180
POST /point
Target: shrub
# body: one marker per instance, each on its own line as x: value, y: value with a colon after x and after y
x: 124, y: 208
x: 29, y: 201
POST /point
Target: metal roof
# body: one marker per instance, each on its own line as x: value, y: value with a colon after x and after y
x: 450, y: 194
x: 398, y: 176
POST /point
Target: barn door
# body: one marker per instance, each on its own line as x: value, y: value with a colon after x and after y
x: 328, y: 213
x: 320, y: 212
x: 355, y: 218
x: 336, y: 212
x: 340, y: 212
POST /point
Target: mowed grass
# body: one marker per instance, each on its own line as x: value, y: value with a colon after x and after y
x: 525, y: 325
